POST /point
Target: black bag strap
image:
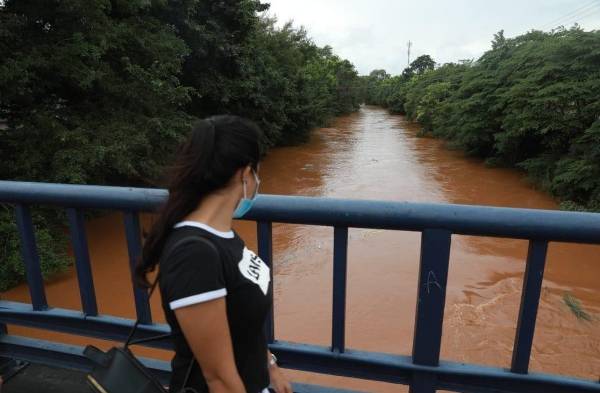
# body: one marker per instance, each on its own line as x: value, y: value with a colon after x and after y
x: 96, y: 355
x: 130, y: 340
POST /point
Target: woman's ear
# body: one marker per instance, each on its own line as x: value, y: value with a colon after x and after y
x: 241, y: 175
x: 246, y: 173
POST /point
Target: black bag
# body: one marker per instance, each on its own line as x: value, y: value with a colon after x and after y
x: 119, y: 371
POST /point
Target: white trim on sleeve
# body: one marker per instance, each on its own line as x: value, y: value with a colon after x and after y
x: 199, y: 298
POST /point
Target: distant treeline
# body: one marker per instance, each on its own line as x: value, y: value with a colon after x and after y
x: 101, y: 91
x: 531, y: 102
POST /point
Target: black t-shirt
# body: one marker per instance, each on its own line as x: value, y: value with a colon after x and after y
x: 194, y: 272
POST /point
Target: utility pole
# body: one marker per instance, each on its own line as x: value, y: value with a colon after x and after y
x: 409, y: 45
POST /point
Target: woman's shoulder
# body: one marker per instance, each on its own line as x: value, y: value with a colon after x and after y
x: 191, y: 269
x: 188, y: 255
x: 182, y: 241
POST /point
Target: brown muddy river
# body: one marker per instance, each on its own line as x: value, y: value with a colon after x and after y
x: 374, y: 155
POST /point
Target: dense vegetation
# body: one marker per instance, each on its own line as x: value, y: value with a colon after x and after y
x: 531, y: 102
x: 101, y: 91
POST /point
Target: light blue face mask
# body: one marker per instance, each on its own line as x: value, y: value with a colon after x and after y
x: 246, y: 203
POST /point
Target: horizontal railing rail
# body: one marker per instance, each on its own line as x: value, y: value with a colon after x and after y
x: 423, y: 371
x: 516, y: 223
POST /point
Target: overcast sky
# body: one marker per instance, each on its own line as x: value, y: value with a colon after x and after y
x: 374, y: 33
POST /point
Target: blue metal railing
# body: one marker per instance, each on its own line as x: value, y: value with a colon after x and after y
x: 423, y: 371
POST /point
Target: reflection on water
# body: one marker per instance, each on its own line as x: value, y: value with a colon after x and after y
x: 374, y: 155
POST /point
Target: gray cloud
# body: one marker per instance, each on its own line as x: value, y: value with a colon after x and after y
x: 374, y: 33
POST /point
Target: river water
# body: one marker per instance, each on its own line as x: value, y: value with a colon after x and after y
x: 374, y: 155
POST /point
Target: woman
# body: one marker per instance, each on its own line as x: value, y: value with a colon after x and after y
x: 215, y: 292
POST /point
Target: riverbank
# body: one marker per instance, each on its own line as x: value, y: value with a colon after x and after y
x: 530, y: 102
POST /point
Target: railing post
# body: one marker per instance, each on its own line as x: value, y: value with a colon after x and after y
x: 31, y: 258
x: 340, y: 262
x: 431, y: 298
x: 82, y: 262
x: 134, y: 248
x: 530, y: 299
x: 265, y: 252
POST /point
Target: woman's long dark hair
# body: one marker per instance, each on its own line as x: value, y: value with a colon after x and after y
x: 216, y: 148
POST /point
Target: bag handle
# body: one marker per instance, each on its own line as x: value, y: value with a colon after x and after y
x: 130, y: 340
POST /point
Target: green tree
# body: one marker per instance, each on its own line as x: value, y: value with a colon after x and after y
x: 96, y: 82
x: 419, y: 66
x: 111, y: 86
x: 422, y: 64
x: 529, y: 102
x: 374, y: 83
